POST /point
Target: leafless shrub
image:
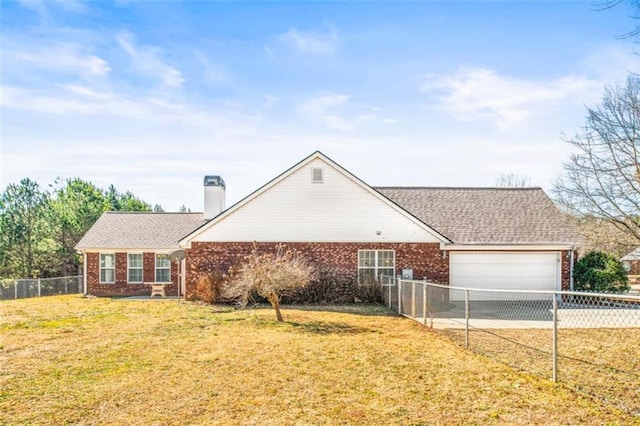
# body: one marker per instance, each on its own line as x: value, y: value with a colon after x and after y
x: 367, y: 291
x: 209, y: 286
x: 271, y: 275
x: 327, y: 288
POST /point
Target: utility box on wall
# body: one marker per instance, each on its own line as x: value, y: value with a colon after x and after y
x: 407, y: 274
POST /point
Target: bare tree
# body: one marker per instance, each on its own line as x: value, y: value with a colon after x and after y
x: 271, y: 275
x: 602, y: 177
x: 512, y: 180
x: 633, y: 5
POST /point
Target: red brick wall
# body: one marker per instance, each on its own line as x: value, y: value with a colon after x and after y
x: 424, y: 258
x: 634, y: 267
x: 121, y: 287
x: 566, y: 269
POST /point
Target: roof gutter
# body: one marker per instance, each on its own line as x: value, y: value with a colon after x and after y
x: 507, y: 247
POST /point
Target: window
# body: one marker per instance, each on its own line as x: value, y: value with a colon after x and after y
x: 163, y: 268
x: 134, y: 267
x: 317, y: 175
x: 373, y: 263
x: 107, y: 268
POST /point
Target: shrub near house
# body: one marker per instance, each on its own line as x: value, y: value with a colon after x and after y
x: 600, y: 272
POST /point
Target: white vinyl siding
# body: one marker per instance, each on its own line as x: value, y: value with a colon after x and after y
x: 134, y: 267
x: 107, y: 268
x: 373, y: 263
x: 504, y: 271
x: 297, y: 210
x: 163, y: 268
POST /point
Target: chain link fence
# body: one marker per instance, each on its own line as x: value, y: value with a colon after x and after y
x: 589, y: 342
x: 24, y: 288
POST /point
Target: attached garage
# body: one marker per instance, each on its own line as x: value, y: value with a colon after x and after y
x: 505, y: 271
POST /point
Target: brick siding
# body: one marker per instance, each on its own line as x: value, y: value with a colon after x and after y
x: 121, y: 287
x: 425, y: 259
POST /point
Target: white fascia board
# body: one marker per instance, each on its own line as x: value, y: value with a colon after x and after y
x: 508, y: 247
x: 186, y: 241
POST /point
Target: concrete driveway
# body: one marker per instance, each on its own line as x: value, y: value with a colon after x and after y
x: 536, y: 314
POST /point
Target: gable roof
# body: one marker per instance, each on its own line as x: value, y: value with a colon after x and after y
x: 316, y: 155
x: 131, y: 230
x: 487, y: 215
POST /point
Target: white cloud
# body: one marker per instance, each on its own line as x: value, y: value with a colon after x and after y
x: 339, y: 112
x: 65, y: 57
x: 479, y: 94
x: 309, y: 42
x: 212, y: 74
x: 146, y: 60
x: 612, y: 63
x: 324, y: 109
x: 270, y: 101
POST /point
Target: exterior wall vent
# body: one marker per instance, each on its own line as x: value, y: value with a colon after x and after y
x: 317, y: 175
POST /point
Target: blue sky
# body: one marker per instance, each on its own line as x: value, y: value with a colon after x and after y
x: 152, y: 96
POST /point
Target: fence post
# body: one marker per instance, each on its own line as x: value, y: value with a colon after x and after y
x: 555, y: 337
x: 38, y: 287
x: 424, y: 302
x: 393, y: 280
x: 413, y: 299
x: 466, y: 319
x: 15, y: 288
x: 399, y: 296
x: 66, y: 286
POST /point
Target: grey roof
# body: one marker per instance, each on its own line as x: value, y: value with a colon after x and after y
x: 634, y: 255
x: 120, y: 230
x: 487, y: 215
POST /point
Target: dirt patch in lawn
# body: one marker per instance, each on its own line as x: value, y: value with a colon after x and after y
x: 95, y: 361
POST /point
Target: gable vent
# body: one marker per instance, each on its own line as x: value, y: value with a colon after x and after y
x: 317, y: 175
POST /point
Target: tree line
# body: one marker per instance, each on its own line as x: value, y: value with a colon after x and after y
x: 40, y: 227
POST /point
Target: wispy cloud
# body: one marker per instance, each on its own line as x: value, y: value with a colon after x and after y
x: 324, y: 109
x: 70, y: 58
x: 147, y: 61
x: 270, y: 101
x: 479, y: 94
x: 323, y: 42
x: 339, y: 112
x: 212, y: 74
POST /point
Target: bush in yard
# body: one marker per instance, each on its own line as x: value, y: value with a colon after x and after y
x: 600, y: 272
x: 367, y: 291
x: 326, y: 288
x: 272, y: 276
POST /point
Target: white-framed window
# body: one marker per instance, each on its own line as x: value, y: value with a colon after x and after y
x: 107, y: 268
x: 373, y: 263
x: 134, y: 267
x: 317, y: 175
x: 163, y: 268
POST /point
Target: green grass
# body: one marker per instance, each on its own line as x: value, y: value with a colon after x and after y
x: 68, y: 360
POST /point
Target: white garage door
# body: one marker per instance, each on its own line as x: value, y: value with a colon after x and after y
x: 507, y: 271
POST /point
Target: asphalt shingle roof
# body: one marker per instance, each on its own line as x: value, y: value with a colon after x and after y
x: 115, y: 230
x: 463, y: 215
x: 487, y: 215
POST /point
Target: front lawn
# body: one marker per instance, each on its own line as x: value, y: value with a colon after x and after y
x: 65, y: 359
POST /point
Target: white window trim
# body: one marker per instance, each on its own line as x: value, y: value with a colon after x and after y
x: 141, y: 268
x: 155, y: 257
x: 101, y: 268
x: 376, y: 266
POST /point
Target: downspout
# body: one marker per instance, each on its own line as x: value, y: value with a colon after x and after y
x: 84, y: 273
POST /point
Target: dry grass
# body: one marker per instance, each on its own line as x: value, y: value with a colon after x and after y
x: 99, y: 361
x: 603, y: 363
